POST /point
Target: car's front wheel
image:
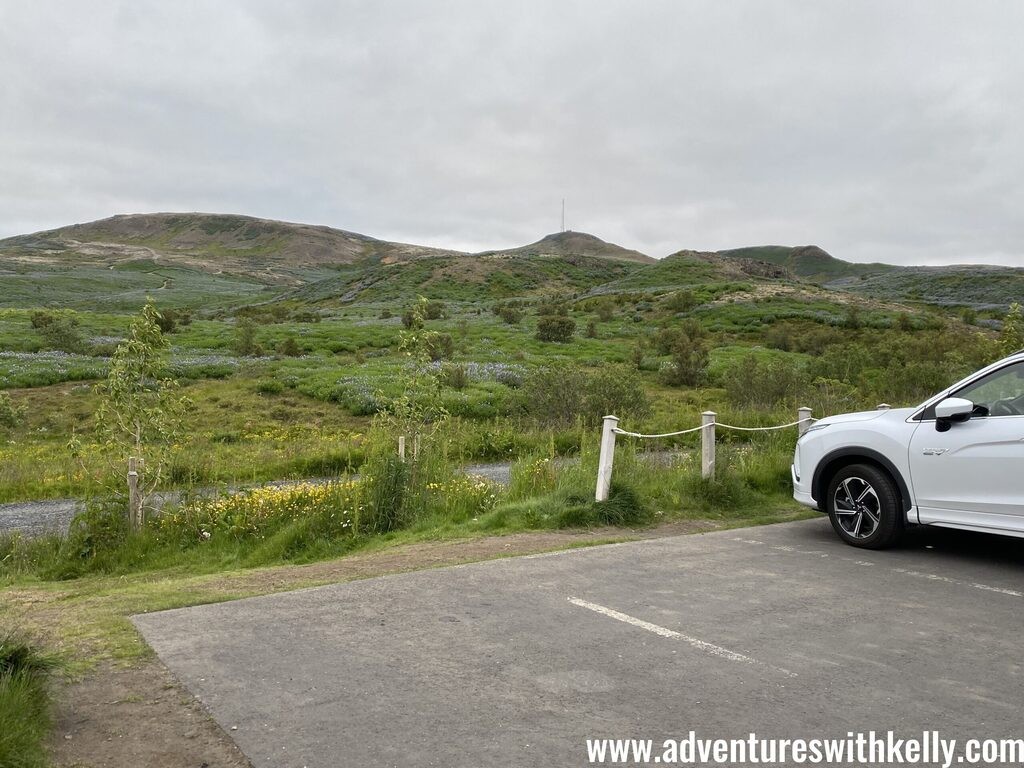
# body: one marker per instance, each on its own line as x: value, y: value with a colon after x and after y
x: 864, y: 506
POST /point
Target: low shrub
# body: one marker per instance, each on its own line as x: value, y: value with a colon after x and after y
x: 760, y: 383
x: 440, y: 346
x: 455, y: 376
x: 565, y: 393
x: 510, y: 314
x: 556, y: 328
x: 11, y: 414
x: 289, y: 347
x: 269, y: 387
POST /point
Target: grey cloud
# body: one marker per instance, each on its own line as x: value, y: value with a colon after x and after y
x: 879, y: 131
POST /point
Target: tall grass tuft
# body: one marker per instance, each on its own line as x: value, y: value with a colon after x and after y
x: 25, y: 704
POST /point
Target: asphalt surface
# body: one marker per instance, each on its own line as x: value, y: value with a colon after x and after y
x: 781, y: 630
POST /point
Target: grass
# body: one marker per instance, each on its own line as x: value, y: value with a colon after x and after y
x: 88, y: 581
x: 25, y: 703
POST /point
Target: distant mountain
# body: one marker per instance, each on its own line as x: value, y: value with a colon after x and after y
x: 201, y: 259
x: 807, y: 261
x: 566, y: 244
x: 270, y: 251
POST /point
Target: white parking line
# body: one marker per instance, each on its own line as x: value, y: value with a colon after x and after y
x: 901, y: 571
x: 948, y: 580
x: 701, y: 645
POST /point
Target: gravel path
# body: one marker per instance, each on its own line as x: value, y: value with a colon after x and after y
x: 38, y: 517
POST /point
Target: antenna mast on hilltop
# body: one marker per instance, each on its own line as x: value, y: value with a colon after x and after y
x: 563, y: 214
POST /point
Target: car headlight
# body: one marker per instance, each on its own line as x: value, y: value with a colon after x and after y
x: 814, y: 428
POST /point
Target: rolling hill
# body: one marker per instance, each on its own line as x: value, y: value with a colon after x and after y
x: 192, y: 258
x: 806, y: 261
x: 978, y: 286
x: 199, y: 259
x: 963, y: 285
x: 568, y: 244
x: 271, y: 252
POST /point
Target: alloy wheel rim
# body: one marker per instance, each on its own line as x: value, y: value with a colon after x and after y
x: 857, y: 507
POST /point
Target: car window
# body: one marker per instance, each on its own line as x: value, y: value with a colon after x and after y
x: 1001, y: 392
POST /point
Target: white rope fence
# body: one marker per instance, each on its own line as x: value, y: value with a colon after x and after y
x: 707, y: 443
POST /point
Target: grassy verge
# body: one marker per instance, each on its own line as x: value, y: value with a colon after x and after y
x: 25, y: 705
x: 80, y: 589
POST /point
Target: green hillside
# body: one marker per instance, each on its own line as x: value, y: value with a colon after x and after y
x: 462, y: 278
x: 806, y: 261
x: 218, y: 261
x: 122, y: 287
x: 271, y: 252
x: 976, y: 286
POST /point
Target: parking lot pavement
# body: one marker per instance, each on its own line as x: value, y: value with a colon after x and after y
x: 780, y: 630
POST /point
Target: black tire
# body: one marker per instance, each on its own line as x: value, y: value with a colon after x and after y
x: 863, y: 503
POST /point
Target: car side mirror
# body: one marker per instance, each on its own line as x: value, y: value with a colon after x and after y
x: 950, y: 411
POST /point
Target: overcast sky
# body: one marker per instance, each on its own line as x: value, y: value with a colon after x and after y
x: 889, y: 131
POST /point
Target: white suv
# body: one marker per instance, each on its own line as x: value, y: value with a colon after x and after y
x: 956, y: 460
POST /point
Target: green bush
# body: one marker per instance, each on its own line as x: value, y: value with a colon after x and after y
x: 412, y: 318
x: 11, y: 414
x: 455, y: 376
x: 556, y: 328
x: 566, y: 393
x: 439, y: 346
x: 605, y: 310
x: 245, y: 338
x: 760, y: 383
x: 435, y: 310
x: 689, y: 361
x: 681, y: 301
x: 289, y: 347
x: 510, y: 313
x: 60, y: 331
x: 1011, y: 336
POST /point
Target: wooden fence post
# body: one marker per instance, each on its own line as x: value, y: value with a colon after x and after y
x: 707, y: 444
x: 134, y: 497
x: 401, y: 447
x: 607, y: 457
x: 415, y: 446
x: 803, y: 415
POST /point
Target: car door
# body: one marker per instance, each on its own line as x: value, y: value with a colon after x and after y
x: 972, y: 474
